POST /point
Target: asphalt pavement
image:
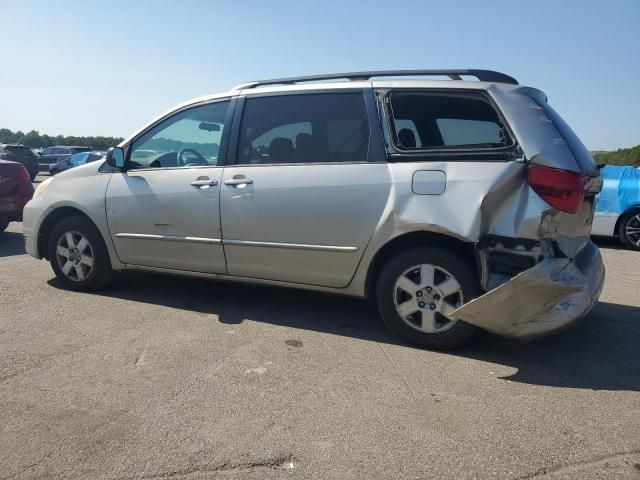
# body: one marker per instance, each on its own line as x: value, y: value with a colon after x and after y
x: 165, y: 377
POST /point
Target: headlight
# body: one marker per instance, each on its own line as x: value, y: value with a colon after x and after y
x: 42, y: 187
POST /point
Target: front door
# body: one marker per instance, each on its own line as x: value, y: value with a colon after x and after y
x: 164, y: 210
x: 302, y: 200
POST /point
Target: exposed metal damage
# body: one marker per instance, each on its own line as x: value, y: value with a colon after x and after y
x: 541, y: 299
x: 537, y: 286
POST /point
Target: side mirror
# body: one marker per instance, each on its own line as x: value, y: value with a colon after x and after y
x: 115, y: 157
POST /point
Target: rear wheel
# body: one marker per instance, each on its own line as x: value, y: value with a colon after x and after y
x: 629, y: 229
x: 78, y: 254
x: 416, y: 292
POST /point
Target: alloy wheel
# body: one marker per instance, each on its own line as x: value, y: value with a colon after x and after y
x: 75, y: 256
x: 425, y: 295
x: 632, y: 230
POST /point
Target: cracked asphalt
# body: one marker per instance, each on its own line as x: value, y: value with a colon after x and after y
x: 161, y: 377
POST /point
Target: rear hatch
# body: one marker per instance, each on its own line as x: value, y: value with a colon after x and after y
x: 560, y: 168
x: 19, y: 153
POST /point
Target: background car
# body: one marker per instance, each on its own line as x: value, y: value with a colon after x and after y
x: 618, y: 207
x: 21, y: 154
x: 16, y: 190
x: 75, y: 161
x: 54, y: 154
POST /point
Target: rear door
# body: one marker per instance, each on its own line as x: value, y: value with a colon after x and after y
x: 308, y: 187
x: 164, y: 210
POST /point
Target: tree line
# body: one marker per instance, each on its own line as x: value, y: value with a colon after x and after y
x: 622, y: 156
x: 34, y: 139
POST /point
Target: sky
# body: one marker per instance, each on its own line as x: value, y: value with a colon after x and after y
x: 107, y: 68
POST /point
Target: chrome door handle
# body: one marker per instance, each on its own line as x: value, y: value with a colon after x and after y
x: 234, y: 182
x: 204, y: 183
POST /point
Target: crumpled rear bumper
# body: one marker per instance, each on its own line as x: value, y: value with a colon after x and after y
x: 544, y: 298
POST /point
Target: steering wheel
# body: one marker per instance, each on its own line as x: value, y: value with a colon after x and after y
x: 181, y: 162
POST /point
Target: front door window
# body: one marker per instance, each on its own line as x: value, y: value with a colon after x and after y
x: 187, y: 139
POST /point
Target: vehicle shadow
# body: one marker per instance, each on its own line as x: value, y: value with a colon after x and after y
x: 233, y: 303
x: 612, y: 243
x: 11, y: 243
x: 600, y: 352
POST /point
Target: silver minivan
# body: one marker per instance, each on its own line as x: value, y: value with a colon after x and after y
x: 452, y: 199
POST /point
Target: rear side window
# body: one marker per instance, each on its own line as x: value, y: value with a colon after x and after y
x: 436, y: 121
x: 304, y: 128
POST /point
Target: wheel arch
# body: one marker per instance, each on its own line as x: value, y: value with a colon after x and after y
x: 52, y: 218
x: 409, y: 240
x: 622, y: 215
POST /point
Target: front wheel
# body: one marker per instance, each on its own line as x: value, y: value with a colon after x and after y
x: 416, y: 292
x: 78, y: 255
x: 629, y: 229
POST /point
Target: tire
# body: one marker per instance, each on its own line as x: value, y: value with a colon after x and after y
x: 4, y: 223
x: 629, y: 229
x: 444, y: 334
x: 81, y: 275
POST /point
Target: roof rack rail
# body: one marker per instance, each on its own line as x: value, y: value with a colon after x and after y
x: 482, y: 75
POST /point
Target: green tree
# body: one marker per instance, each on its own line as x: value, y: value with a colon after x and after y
x: 32, y: 139
x: 7, y: 136
x: 622, y: 156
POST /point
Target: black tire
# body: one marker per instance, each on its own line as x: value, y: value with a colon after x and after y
x: 448, y: 339
x: 4, y: 223
x: 101, y: 273
x: 629, y: 220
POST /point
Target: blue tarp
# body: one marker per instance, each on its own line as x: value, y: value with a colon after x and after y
x: 620, y: 189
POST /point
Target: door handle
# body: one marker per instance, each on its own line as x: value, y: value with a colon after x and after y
x: 235, y: 182
x: 204, y: 182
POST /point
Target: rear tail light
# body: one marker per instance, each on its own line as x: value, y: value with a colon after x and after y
x: 23, y: 175
x: 559, y: 188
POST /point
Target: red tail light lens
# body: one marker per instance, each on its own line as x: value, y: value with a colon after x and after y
x: 559, y: 188
x: 23, y: 175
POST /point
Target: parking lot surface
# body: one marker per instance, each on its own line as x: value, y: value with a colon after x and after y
x: 164, y: 377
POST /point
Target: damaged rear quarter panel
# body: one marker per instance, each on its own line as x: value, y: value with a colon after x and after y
x: 480, y: 198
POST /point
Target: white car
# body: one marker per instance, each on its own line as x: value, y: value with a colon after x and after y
x: 618, y: 205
